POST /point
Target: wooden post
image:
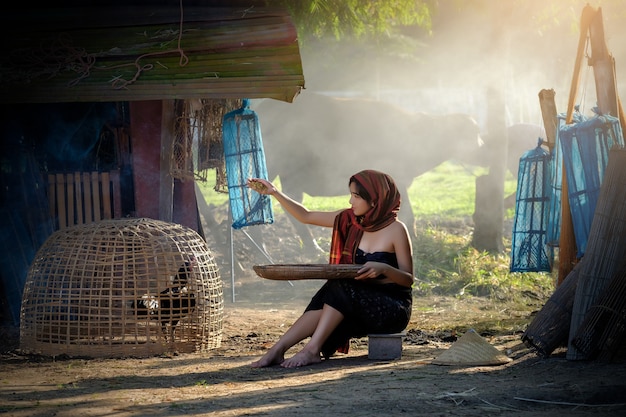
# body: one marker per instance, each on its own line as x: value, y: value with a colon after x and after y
x: 567, y: 243
x: 567, y: 239
x: 549, y: 115
x: 145, y: 136
x: 166, y: 192
x: 603, y: 67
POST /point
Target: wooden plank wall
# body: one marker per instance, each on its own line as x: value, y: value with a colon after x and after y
x: 84, y: 197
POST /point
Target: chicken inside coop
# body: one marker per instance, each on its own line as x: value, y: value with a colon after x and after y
x: 171, y: 304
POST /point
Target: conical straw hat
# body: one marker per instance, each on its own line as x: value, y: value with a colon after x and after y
x: 472, y: 350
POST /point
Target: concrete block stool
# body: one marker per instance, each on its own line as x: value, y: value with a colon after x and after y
x: 385, y: 346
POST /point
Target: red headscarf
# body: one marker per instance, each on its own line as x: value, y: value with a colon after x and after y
x: 348, y: 229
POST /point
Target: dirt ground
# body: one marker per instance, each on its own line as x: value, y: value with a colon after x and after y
x: 221, y: 383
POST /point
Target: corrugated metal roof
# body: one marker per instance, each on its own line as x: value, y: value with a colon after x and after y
x: 140, y: 53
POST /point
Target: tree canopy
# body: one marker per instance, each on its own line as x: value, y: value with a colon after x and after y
x: 356, y: 18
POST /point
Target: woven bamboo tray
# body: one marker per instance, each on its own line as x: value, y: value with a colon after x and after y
x: 290, y: 272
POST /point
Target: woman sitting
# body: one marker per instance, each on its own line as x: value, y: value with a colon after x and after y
x: 379, y: 298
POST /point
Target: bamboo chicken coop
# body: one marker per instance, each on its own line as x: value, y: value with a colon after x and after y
x: 117, y: 288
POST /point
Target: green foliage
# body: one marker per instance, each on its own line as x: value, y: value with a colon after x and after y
x: 356, y: 18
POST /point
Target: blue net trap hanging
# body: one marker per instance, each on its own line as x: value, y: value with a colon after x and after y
x: 245, y: 158
x: 556, y: 185
x: 530, y: 251
x: 585, y: 150
x: 556, y: 164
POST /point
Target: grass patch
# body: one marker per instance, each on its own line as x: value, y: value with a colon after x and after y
x: 446, y: 192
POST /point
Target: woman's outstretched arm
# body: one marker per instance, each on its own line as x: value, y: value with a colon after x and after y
x: 297, y: 210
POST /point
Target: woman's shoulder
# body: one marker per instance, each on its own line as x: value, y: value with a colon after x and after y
x: 398, y: 225
x: 398, y: 232
x: 395, y: 228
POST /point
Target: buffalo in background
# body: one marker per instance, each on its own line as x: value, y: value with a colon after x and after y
x: 521, y: 137
x: 317, y: 142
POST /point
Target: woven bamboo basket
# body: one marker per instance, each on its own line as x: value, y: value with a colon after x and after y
x: 118, y: 288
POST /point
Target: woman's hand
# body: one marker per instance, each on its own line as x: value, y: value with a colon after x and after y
x: 371, y: 270
x: 261, y: 186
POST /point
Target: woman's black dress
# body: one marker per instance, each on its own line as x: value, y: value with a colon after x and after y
x: 367, y: 307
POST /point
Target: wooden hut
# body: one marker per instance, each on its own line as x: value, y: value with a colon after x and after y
x: 92, y: 96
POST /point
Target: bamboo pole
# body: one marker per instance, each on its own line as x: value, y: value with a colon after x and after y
x: 603, y: 68
x: 567, y: 240
x: 585, y: 21
x: 603, y: 64
x: 549, y: 114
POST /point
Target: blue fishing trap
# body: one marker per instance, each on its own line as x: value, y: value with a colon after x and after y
x: 530, y: 250
x: 556, y: 164
x: 585, y: 150
x: 245, y: 158
x: 556, y: 189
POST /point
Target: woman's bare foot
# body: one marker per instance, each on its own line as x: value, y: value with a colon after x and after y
x: 302, y: 358
x: 272, y: 357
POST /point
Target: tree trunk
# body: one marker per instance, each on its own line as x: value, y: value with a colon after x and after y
x: 489, y: 204
x: 488, y: 215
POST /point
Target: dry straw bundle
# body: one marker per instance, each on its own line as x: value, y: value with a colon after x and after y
x: 130, y: 287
